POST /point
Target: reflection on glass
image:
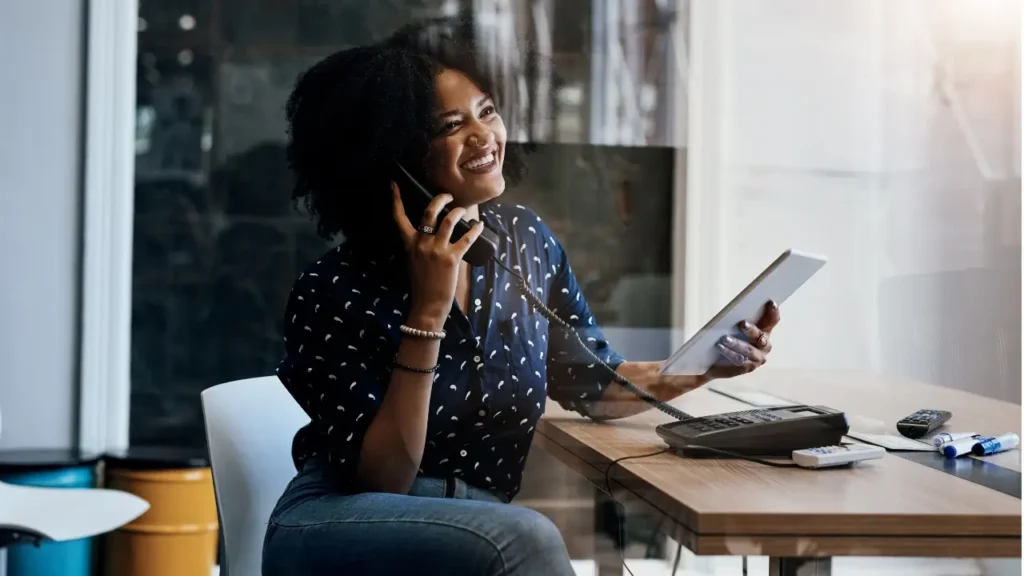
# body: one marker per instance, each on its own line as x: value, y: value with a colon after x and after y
x: 885, y: 135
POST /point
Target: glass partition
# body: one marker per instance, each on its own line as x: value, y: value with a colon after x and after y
x: 680, y: 146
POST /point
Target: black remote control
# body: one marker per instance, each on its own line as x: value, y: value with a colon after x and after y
x: 922, y: 422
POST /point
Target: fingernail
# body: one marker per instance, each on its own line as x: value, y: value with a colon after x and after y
x: 720, y: 347
x: 773, y: 305
x: 728, y: 340
x: 745, y: 325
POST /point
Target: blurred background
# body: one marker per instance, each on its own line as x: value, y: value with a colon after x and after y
x: 149, y: 240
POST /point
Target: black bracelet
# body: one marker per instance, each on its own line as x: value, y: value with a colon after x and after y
x: 398, y: 364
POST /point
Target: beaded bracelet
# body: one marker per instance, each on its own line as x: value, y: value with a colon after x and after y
x: 417, y: 333
x: 398, y: 364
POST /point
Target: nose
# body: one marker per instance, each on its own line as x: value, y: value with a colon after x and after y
x: 480, y: 136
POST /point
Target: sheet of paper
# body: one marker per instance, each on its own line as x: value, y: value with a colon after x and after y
x: 67, y: 513
x: 752, y: 397
x: 892, y: 442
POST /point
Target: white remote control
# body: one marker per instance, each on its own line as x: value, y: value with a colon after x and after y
x: 836, y: 455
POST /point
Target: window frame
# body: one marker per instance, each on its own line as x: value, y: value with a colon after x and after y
x: 107, y: 224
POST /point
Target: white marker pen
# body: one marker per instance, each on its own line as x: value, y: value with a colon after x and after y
x: 960, y: 447
x: 946, y: 437
x: 1002, y: 443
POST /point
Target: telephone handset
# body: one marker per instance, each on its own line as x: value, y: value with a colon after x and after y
x: 416, y: 197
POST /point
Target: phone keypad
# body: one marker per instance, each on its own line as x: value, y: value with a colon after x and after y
x: 716, y: 423
x: 921, y: 422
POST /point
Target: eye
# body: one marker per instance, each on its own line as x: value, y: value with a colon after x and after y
x: 449, y: 127
x: 488, y: 111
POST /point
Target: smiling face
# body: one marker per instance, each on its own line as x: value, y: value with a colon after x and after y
x: 466, y: 154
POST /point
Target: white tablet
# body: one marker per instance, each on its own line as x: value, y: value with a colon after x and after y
x: 778, y: 281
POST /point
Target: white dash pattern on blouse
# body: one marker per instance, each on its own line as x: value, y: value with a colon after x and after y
x: 342, y: 318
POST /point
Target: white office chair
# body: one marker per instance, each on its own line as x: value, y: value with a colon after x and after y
x: 30, y: 513
x: 249, y: 428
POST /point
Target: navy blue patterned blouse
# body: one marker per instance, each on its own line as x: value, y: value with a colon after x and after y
x: 497, y: 364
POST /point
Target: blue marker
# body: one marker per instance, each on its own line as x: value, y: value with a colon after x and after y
x: 958, y: 448
x: 988, y: 446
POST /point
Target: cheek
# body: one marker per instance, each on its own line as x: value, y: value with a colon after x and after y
x: 500, y: 134
x: 443, y: 156
x: 440, y: 162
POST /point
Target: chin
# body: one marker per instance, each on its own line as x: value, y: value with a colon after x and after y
x: 479, y: 196
x: 480, y: 192
x: 496, y: 190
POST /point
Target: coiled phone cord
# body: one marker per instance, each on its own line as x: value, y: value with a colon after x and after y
x: 546, y: 312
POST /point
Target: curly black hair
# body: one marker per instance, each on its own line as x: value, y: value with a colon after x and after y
x: 355, y: 113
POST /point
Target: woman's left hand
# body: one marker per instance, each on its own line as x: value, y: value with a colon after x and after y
x: 738, y: 356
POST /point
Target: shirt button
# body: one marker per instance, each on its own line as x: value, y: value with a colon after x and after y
x: 476, y: 358
x: 482, y: 413
x: 477, y: 301
x: 463, y: 453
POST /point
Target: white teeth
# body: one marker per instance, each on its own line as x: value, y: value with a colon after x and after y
x: 479, y: 162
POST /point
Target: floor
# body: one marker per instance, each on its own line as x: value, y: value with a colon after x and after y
x: 691, y: 565
x: 758, y: 566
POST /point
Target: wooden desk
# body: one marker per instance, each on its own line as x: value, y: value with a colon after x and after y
x: 886, y: 507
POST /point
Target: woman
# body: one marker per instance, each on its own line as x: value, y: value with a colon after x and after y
x: 424, y: 376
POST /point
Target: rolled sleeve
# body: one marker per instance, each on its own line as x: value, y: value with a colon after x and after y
x: 574, y: 379
x: 333, y: 368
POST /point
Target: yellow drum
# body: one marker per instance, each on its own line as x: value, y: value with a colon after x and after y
x: 178, y: 535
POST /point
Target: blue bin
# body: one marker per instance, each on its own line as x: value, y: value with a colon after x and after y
x: 50, y: 469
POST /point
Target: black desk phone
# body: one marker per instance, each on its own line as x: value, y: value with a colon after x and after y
x: 416, y: 198
x: 757, y: 432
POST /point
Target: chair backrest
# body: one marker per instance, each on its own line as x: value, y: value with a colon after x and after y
x: 249, y: 428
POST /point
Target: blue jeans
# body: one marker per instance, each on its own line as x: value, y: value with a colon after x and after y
x: 441, y: 527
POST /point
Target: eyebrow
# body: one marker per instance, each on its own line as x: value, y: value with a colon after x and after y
x: 478, y: 103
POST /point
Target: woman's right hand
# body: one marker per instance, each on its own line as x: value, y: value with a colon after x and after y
x: 433, y: 259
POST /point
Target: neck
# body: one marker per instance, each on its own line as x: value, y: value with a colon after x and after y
x: 472, y: 212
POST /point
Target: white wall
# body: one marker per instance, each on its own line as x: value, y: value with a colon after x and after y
x: 825, y: 127
x: 41, y: 55
x: 835, y: 135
